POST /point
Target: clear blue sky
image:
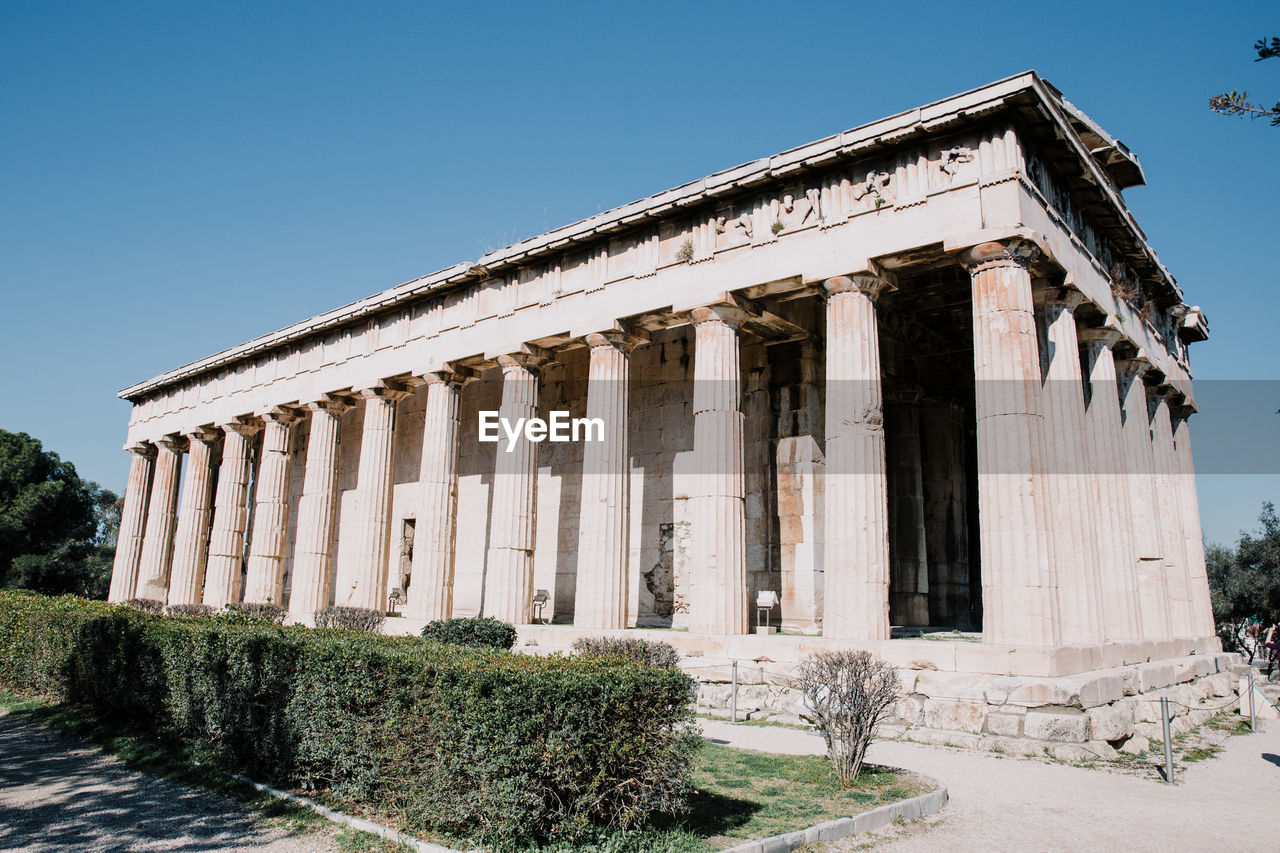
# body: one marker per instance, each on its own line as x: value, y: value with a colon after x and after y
x: 176, y: 178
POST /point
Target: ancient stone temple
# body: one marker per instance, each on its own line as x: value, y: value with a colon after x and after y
x: 924, y: 374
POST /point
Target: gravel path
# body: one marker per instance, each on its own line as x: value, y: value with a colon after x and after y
x: 1009, y: 804
x: 57, y: 794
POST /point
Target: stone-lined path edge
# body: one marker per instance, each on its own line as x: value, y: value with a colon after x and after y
x: 353, y: 822
x: 877, y: 818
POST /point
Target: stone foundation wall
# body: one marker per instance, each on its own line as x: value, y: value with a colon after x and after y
x: 1073, y: 718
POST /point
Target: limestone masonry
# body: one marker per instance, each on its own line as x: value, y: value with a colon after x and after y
x: 924, y: 379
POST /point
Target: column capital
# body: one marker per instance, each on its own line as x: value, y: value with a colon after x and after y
x: 1138, y: 366
x: 386, y: 389
x: 145, y: 449
x: 727, y: 313
x: 173, y: 442
x: 204, y: 435
x: 872, y: 283
x: 245, y: 425
x: 526, y: 357
x: 1066, y: 295
x: 283, y: 415
x: 617, y: 339
x: 1019, y: 247
x: 1106, y: 336
x: 334, y: 404
x: 451, y: 374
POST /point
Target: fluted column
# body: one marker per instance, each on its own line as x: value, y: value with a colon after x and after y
x: 133, y: 522
x: 1069, y: 483
x: 1202, y: 606
x: 431, y: 588
x: 264, y: 581
x: 313, y: 549
x: 230, y: 515
x: 1169, y: 494
x: 1113, y: 534
x: 508, y: 593
x: 364, y: 582
x: 1018, y: 583
x: 191, y: 542
x: 162, y: 510
x: 604, y: 524
x: 719, y: 576
x: 856, y: 511
x: 1144, y: 512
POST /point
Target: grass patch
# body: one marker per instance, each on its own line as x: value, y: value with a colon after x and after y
x: 742, y: 794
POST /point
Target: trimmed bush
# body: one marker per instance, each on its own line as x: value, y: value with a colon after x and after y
x: 146, y: 605
x: 351, y: 618
x: 197, y: 610
x: 477, y: 743
x: 649, y: 652
x: 253, y: 612
x: 480, y: 631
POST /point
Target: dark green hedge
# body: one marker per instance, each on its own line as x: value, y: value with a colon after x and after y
x: 472, y: 742
x: 483, y: 631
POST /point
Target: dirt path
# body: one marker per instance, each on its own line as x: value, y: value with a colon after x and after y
x: 57, y: 794
x: 1007, y: 804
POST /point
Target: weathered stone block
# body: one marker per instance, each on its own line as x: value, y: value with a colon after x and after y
x: 1013, y: 746
x: 1111, y: 722
x: 952, y: 715
x: 1006, y: 725
x: 1136, y: 745
x: 909, y: 709
x: 962, y: 740
x: 1153, y: 676
x: 1063, y: 725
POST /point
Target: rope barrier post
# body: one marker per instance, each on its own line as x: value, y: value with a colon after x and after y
x: 1253, y: 720
x: 733, y: 695
x: 1168, y: 739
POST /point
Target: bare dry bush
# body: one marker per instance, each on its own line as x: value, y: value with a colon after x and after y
x: 846, y: 694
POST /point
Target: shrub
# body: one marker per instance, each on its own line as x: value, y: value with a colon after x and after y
x: 351, y: 618
x: 846, y: 694
x: 474, y: 742
x: 254, y: 612
x: 146, y: 605
x: 190, y: 610
x: 648, y: 652
x: 481, y: 631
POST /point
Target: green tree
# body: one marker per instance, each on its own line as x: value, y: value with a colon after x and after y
x: 57, y: 530
x: 1235, y: 103
x: 1245, y: 583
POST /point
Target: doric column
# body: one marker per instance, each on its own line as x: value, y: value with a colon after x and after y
x: 364, y: 582
x: 604, y: 524
x: 157, y: 543
x: 1018, y: 584
x: 313, y: 549
x: 719, y: 580
x: 1202, y: 606
x: 908, y: 550
x: 133, y: 522
x: 1144, y: 513
x: 1169, y: 494
x: 1069, y: 484
x: 1113, y: 536
x: 508, y: 594
x: 230, y: 515
x: 191, y: 543
x: 264, y: 582
x: 431, y: 588
x: 856, y: 514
